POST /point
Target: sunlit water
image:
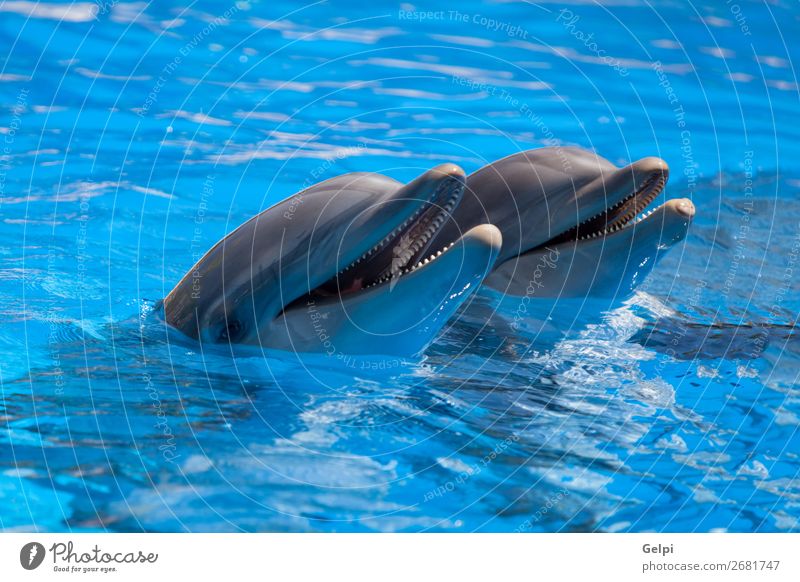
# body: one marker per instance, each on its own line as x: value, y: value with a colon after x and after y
x: 135, y: 136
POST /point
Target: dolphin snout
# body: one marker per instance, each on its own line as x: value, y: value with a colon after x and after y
x: 649, y: 166
x: 434, y: 178
x: 488, y: 235
x: 681, y: 210
x: 683, y: 206
x: 646, y: 173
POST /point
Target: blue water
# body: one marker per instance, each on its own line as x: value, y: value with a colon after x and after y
x: 135, y: 135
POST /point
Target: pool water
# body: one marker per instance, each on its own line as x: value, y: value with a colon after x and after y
x: 136, y: 135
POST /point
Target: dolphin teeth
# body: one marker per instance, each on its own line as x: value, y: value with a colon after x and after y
x: 419, y: 239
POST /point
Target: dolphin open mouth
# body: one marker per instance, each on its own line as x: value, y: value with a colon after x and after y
x: 400, y: 252
x: 623, y: 214
x: 353, y: 236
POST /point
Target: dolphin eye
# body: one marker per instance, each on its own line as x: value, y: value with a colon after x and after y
x: 230, y: 330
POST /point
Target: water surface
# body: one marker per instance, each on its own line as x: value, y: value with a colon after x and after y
x: 135, y: 135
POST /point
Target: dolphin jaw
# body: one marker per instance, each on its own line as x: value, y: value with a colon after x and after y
x: 394, y: 275
x: 377, y: 320
x: 663, y: 226
x: 484, y: 236
x: 415, y: 234
x: 486, y: 233
x: 619, y: 216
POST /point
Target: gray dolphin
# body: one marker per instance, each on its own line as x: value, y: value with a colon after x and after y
x: 572, y: 222
x: 342, y: 267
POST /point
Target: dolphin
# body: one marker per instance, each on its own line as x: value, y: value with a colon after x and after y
x: 573, y: 224
x: 343, y: 267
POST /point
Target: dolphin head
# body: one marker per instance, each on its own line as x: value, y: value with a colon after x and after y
x: 590, y: 214
x: 335, y: 246
x: 539, y: 195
